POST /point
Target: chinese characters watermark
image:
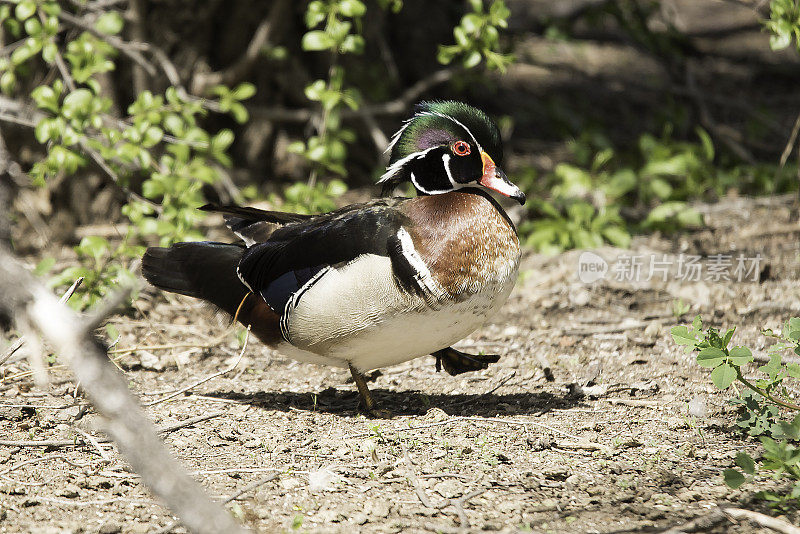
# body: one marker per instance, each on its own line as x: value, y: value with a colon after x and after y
x: 664, y: 267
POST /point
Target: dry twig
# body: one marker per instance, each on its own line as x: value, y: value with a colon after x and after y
x: 206, y: 379
x: 24, y: 298
x: 762, y: 520
x: 414, y: 479
x: 71, y: 443
x: 241, y: 68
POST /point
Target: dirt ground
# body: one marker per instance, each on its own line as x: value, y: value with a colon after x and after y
x: 592, y: 421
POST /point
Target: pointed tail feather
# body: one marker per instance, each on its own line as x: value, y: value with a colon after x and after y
x: 203, y: 270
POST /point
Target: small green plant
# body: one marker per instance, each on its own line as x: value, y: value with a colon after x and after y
x: 575, y: 223
x: 159, y: 142
x: 301, y: 197
x: 680, y: 308
x: 334, y: 26
x: 584, y: 200
x: 478, y: 37
x: 767, y: 408
x: 100, y: 269
x: 783, y: 24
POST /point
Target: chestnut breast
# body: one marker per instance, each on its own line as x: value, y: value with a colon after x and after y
x: 466, y: 240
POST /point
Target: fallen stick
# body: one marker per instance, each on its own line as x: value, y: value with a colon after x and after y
x: 21, y: 340
x: 79, y: 442
x: 250, y: 487
x: 25, y: 299
x: 762, y: 520
x: 206, y: 379
x: 698, y: 524
x: 412, y: 477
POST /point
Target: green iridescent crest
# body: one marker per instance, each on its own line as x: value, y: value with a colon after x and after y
x: 443, y: 122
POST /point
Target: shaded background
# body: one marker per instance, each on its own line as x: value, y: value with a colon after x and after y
x: 589, y: 75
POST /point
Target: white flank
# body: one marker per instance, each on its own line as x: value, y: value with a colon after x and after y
x: 358, y: 314
x: 296, y: 296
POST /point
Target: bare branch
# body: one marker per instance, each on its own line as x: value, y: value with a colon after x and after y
x: 79, y: 441
x: 239, y: 70
x: 762, y: 520
x: 22, y: 297
x: 397, y: 106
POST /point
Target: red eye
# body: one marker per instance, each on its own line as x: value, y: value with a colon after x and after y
x: 461, y: 148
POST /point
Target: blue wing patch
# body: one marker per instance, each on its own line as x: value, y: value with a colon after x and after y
x: 278, y: 293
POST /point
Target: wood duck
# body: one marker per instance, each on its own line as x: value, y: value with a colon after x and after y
x: 375, y: 284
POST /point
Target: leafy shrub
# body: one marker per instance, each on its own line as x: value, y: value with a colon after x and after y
x: 762, y: 404
x: 605, y: 195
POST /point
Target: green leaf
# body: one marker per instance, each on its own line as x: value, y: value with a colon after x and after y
x: 723, y: 375
x: 779, y: 41
x: 49, y: 52
x: 710, y: 357
x: 708, y: 144
x: 45, y: 98
x: 352, y: 8
x: 793, y: 369
x: 109, y: 23
x: 773, y: 367
x: 8, y: 81
x: 476, y: 5
x: 77, y: 103
x: 472, y: 60
x: 221, y: 141
x: 661, y: 188
x: 239, y: 113
x: 152, y: 136
x: 93, y: 246
x: 353, y: 44
x: 33, y: 27
x: 25, y: 9
x: 728, y: 336
x: 733, y: 478
x: 317, y: 40
x: 44, y: 266
x: 792, y: 328
x: 617, y: 236
x: 25, y: 52
x: 243, y: 91
x: 744, y: 461
x: 740, y: 355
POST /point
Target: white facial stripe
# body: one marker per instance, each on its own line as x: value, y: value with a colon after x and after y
x: 418, y: 187
x: 422, y: 274
x: 397, y: 134
x: 446, y: 161
x: 397, y: 165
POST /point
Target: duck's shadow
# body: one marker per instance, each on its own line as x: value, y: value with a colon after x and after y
x: 345, y: 403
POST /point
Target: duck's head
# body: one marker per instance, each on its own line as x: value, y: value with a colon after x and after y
x: 447, y: 146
